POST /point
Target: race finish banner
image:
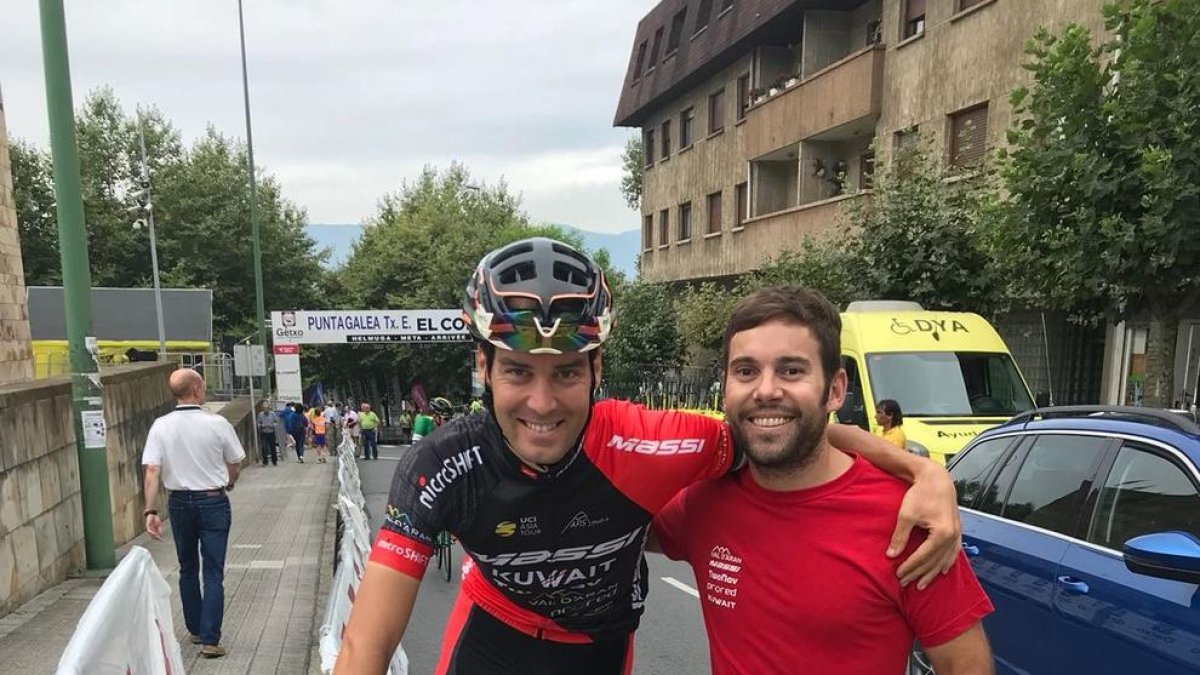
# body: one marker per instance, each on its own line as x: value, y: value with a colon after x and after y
x: 291, y: 329
x: 303, y: 327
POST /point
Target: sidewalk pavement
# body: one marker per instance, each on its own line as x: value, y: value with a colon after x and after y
x: 277, y: 574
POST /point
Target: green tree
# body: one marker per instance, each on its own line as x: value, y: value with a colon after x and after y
x: 645, y: 333
x: 829, y: 264
x: 1104, y: 175
x: 703, y: 312
x: 918, y: 239
x: 37, y: 225
x: 633, y: 161
x: 202, y: 208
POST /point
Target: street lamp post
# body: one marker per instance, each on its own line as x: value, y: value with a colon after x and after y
x: 146, y: 207
x: 254, y: 227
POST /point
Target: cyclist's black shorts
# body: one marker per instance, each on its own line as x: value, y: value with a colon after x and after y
x: 476, y: 643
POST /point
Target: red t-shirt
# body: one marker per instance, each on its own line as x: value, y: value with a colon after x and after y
x: 799, y: 581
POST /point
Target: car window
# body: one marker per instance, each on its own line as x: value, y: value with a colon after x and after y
x: 854, y: 409
x: 1048, y: 489
x: 971, y: 470
x: 1144, y: 492
x: 992, y: 500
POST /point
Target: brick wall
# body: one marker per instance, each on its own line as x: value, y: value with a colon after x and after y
x: 16, y: 356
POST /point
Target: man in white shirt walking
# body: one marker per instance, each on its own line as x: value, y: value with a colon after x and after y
x: 197, y: 457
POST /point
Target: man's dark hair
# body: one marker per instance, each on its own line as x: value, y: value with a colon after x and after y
x: 793, y: 305
x: 892, y: 409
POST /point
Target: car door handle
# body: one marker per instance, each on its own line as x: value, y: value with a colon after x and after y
x: 1073, y: 585
x: 970, y: 549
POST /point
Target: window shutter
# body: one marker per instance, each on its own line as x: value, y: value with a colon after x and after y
x: 969, y: 142
x: 916, y: 10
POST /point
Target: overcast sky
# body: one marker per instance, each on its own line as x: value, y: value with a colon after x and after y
x: 349, y: 97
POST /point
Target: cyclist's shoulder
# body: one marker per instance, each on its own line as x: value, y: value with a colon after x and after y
x: 458, y: 435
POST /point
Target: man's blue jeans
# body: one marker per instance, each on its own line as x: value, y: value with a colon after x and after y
x: 370, y: 444
x: 200, y: 525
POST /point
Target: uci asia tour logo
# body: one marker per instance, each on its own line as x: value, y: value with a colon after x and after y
x: 934, y: 327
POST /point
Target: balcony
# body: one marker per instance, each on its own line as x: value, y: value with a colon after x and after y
x: 758, y: 241
x: 839, y: 95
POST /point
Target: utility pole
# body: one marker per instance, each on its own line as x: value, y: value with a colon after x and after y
x: 90, y: 431
x: 256, y: 235
x: 145, y: 208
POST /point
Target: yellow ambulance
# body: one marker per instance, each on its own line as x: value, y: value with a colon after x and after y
x: 950, y: 372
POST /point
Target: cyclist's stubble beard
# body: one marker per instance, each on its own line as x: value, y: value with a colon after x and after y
x: 791, y: 452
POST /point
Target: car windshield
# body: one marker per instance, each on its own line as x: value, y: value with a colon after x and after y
x: 949, y: 384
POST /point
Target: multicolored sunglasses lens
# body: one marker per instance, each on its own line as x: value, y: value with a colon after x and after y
x: 525, y: 331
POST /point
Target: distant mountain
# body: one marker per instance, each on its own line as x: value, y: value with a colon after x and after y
x: 622, y: 247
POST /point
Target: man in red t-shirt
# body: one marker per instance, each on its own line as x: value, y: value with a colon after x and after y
x: 789, y: 552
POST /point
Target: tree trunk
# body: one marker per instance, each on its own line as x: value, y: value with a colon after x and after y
x: 1160, y: 358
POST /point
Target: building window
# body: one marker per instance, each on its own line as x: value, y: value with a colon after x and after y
x: 655, y: 49
x: 685, y: 221
x: 664, y: 227
x: 714, y: 213
x: 907, y: 139
x: 964, y: 5
x: 648, y: 232
x: 676, y: 31
x: 666, y: 139
x: 968, y: 136
x: 914, y: 18
x: 685, y: 127
x: 716, y: 111
x: 702, y: 16
x: 743, y: 94
x: 641, y: 61
x: 743, y: 204
x: 866, y: 171
x: 648, y: 148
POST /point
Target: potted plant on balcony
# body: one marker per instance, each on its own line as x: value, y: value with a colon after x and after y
x: 756, y: 96
x: 792, y: 80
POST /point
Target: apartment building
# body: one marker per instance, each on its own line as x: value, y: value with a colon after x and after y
x: 762, y: 119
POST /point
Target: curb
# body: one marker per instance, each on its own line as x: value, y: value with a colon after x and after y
x: 325, y: 576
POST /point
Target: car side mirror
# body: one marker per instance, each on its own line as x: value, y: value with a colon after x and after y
x: 1166, y: 555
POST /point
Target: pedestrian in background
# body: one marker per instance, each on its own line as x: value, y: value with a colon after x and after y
x: 369, y: 423
x: 350, y: 424
x: 197, y: 456
x: 267, y: 419
x: 890, y: 420
x: 299, y: 429
x: 422, y: 426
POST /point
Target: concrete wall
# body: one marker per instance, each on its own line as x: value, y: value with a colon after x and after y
x: 41, y: 518
x: 16, y: 356
x: 964, y: 59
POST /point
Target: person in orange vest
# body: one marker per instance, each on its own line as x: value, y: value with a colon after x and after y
x: 318, y: 426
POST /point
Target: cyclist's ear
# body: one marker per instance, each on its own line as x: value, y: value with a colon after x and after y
x: 597, y: 368
x: 483, y: 363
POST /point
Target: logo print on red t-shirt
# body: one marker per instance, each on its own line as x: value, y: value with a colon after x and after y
x: 720, y: 584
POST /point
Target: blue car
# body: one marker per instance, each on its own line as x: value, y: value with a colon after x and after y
x: 1083, y: 525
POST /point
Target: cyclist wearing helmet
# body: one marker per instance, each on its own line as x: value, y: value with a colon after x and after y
x: 551, y: 493
x: 442, y: 408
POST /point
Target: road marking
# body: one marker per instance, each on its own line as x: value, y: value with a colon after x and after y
x: 247, y: 545
x: 682, y: 586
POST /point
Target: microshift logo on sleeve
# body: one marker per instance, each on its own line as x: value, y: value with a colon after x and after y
x: 452, y: 468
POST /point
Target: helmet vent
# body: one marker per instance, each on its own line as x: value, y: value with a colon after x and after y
x: 523, y: 271
x: 509, y: 252
x: 568, y: 251
x: 570, y: 274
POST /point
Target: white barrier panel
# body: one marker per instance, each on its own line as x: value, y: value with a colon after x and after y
x: 127, y: 628
x: 355, y: 547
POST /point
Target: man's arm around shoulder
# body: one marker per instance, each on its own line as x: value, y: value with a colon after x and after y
x: 967, y: 654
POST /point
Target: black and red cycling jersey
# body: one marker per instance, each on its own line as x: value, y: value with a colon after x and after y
x: 555, y: 555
